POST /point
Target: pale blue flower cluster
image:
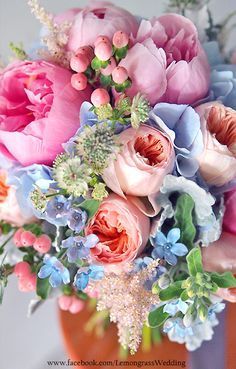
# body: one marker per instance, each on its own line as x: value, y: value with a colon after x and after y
x: 79, y: 247
x: 93, y: 272
x: 58, y: 274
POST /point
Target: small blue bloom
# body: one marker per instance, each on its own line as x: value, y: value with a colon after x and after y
x: 176, y: 329
x: 25, y: 180
x: 94, y: 272
x: 215, y: 309
x: 141, y: 263
x: 57, y: 209
x: 182, y: 124
x: 58, y: 273
x: 167, y: 248
x: 173, y: 307
x: 76, y: 219
x: 79, y: 247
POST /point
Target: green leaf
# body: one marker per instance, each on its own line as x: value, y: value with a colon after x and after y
x: 90, y: 206
x: 96, y: 64
x: 43, y: 288
x: 194, y: 261
x: 225, y: 280
x: 184, y: 296
x: 184, y: 219
x: 157, y: 317
x: 173, y: 291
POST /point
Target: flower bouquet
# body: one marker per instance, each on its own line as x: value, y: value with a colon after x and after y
x: 118, y: 168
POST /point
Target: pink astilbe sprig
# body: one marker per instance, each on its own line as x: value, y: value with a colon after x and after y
x: 128, y: 302
x: 57, y: 36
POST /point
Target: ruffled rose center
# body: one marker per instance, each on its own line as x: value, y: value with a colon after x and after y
x: 150, y: 148
x: 27, y: 96
x: 180, y: 47
x: 114, y: 240
x: 221, y: 123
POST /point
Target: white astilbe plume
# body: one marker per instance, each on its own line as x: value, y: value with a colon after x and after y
x: 56, y: 38
x: 128, y: 302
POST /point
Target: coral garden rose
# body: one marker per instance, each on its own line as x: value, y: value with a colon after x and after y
x: 4, y: 188
x: 169, y: 42
x: 100, y: 18
x: 39, y: 111
x: 146, y: 156
x: 217, y: 163
x: 122, y: 229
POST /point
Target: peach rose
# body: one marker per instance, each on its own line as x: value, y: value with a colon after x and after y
x: 122, y: 229
x: 4, y: 188
x: 217, y: 163
x: 147, y: 155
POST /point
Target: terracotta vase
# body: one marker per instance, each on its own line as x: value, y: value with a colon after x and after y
x: 81, y: 345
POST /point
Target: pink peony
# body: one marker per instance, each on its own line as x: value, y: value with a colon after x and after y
x: 173, y: 44
x: 122, y: 229
x: 147, y: 155
x: 39, y: 111
x: 217, y: 163
x: 100, y: 18
x: 229, y: 224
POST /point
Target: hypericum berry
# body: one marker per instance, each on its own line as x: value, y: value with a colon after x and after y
x: 79, y: 81
x: 28, y: 283
x: 109, y: 69
x: 22, y: 269
x: 103, y: 50
x: 42, y: 244
x: 101, y: 39
x: 27, y: 238
x: 85, y: 50
x: 79, y: 63
x: 120, y: 75
x: 99, y: 97
x: 17, y: 237
x: 120, y: 39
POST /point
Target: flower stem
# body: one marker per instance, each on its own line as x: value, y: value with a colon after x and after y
x: 146, y: 338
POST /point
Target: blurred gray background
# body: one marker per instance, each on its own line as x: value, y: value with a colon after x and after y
x: 28, y: 343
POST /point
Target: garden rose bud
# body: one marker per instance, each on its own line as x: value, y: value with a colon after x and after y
x: 17, y: 237
x: 79, y: 81
x: 120, y: 75
x: 101, y: 39
x: 120, y: 39
x: 99, y: 97
x: 103, y: 50
x: 76, y: 305
x: 42, y: 244
x: 22, y: 269
x: 79, y: 63
x: 27, y: 238
x: 64, y: 302
x: 109, y: 69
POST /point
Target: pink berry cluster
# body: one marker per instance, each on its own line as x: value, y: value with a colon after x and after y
x: 100, y: 64
x: 26, y: 279
x: 23, y: 238
x: 71, y: 304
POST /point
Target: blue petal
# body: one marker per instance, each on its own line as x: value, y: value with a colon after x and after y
x: 170, y: 258
x: 91, y: 241
x: 81, y: 281
x: 173, y: 236
x: 65, y: 276
x: 72, y: 253
x: 169, y: 113
x: 160, y: 239
x: 96, y: 272
x: 45, y: 271
x: 55, y: 279
x: 158, y: 253
x: 179, y: 249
